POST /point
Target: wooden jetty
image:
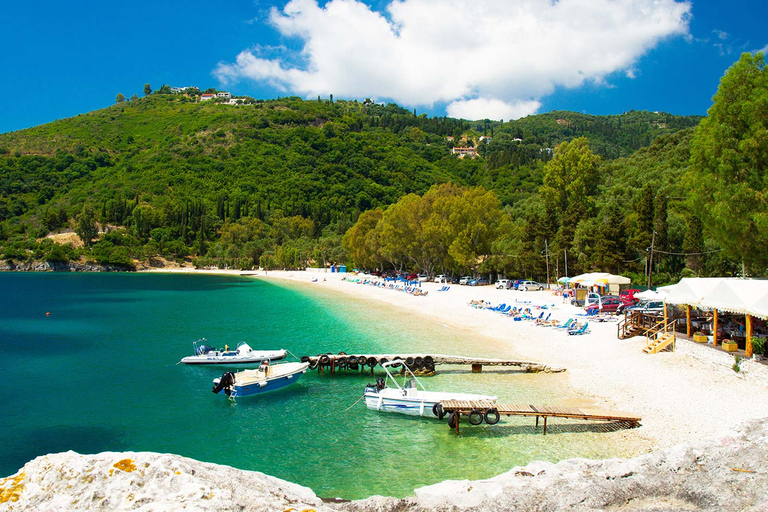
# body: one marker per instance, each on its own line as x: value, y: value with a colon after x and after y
x: 416, y: 362
x: 479, y: 411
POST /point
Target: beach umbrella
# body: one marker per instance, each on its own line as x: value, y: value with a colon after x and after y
x: 563, y: 280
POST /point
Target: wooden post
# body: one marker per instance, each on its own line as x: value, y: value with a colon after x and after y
x: 665, y: 317
x: 477, y: 368
x: 688, y: 320
x: 545, y: 425
x: 714, y: 328
x: 748, y: 347
x: 457, y: 419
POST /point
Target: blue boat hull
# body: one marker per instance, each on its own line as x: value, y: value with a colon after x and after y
x: 265, y: 387
x: 252, y: 382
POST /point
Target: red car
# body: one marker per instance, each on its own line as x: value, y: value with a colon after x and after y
x: 609, y: 305
x: 628, y: 294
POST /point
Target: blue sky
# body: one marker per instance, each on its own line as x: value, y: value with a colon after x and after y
x: 499, y: 59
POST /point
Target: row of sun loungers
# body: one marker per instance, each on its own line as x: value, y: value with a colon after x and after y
x: 571, y: 326
x: 391, y: 285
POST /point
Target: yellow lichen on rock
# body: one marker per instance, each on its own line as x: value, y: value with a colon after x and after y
x: 126, y: 465
x: 11, y: 488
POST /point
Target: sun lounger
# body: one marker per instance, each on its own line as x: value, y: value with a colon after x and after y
x: 566, y: 325
x: 582, y: 330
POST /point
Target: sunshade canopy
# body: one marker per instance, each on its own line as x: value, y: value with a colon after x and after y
x: 732, y: 295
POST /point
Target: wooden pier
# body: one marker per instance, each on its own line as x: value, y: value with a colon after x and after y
x: 480, y: 411
x: 416, y: 362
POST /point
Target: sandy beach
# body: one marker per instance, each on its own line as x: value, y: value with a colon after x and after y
x: 689, y: 394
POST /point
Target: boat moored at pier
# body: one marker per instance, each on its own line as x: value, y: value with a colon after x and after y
x: 268, y: 377
x: 411, y: 398
x: 205, y: 354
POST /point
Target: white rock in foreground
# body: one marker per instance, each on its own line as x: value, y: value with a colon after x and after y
x: 726, y: 474
x: 146, y: 481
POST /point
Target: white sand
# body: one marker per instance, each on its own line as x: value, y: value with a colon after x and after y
x: 690, y: 394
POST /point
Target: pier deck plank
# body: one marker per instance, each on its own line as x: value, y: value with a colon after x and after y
x: 543, y: 411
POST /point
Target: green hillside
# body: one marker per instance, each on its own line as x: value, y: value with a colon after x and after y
x: 267, y: 182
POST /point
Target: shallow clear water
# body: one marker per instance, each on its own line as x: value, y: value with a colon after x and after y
x: 100, y: 374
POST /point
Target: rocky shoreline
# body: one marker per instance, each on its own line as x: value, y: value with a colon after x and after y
x: 55, y: 266
x: 727, y: 473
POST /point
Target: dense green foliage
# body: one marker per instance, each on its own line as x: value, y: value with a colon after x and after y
x: 730, y: 163
x: 278, y: 184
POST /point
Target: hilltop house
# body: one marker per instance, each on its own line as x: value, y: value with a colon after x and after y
x: 462, y: 152
x: 206, y: 97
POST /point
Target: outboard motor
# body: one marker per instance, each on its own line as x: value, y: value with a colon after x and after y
x: 380, y: 384
x: 226, y: 382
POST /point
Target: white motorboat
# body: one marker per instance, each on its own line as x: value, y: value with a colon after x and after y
x: 261, y: 380
x: 411, y: 398
x: 242, y: 355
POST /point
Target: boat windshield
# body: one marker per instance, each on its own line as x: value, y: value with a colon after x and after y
x: 409, y: 379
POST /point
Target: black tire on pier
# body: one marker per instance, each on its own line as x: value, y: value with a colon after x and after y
x: 438, y: 411
x: 475, y: 417
x: 428, y: 361
x: 361, y: 360
x: 304, y: 359
x: 371, y: 361
x: 409, y: 361
x: 492, y: 416
x: 312, y: 364
x: 325, y: 359
x: 452, y: 420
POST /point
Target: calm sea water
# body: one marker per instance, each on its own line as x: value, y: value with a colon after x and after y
x: 99, y: 373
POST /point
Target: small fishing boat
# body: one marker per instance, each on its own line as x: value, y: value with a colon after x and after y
x: 242, y: 355
x: 389, y: 396
x: 267, y: 377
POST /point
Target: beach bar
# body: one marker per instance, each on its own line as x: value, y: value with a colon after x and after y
x: 720, y: 295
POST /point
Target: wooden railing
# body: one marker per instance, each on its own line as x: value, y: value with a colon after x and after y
x: 660, y: 336
x: 635, y: 323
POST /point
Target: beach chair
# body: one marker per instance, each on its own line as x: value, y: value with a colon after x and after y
x: 582, y: 330
x: 566, y: 325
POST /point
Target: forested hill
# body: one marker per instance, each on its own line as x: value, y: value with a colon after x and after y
x: 177, y: 173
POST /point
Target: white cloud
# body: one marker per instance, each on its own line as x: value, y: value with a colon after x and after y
x: 490, y: 60
x: 722, y: 35
x: 489, y: 108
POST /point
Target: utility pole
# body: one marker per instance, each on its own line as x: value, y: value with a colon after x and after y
x: 565, y: 252
x: 650, y: 266
x: 546, y: 250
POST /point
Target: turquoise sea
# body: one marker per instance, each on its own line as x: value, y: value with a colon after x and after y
x: 89, y: 364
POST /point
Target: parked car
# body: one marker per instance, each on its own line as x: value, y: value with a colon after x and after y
x: 646, y: 306
x: 465, y: 280
x: 530, y: 285
x: 628, y: 294
x: 480, y: 281
x: 501, y: 284
x: 422, y: 279
x: 609, y: 305
x: 442, y: 279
